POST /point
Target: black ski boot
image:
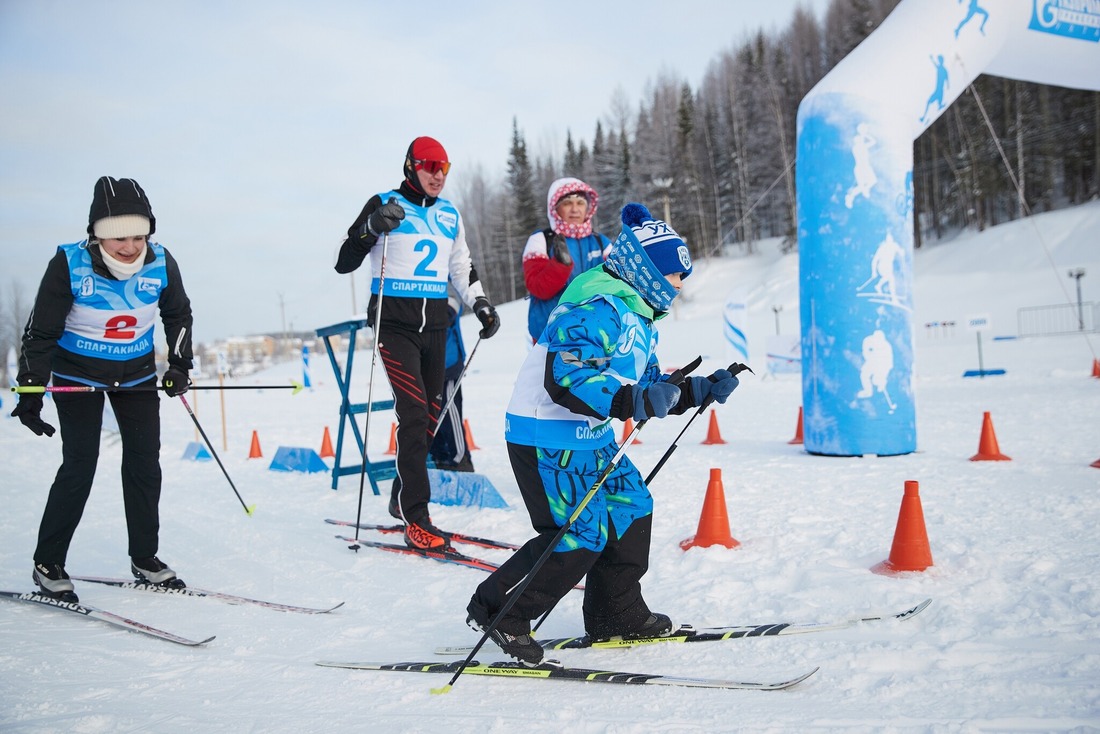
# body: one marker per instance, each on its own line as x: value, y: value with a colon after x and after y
x: 54, y: 582
x: 395, y: 509
x: 657, y: 625
x: 154, y: 571
x: 523, y: 648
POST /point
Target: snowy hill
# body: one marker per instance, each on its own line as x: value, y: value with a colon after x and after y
x: 1010, y: 641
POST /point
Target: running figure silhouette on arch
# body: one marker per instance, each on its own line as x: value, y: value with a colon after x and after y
x: 971, y: 10
x: 941, y: 86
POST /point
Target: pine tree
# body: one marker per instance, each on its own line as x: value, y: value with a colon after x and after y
x: 603, y: 179
x: 724, y: 152
x: 572, y: 163
x: 521, y: 182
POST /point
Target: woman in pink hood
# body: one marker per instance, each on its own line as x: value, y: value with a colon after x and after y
x: 554, y: 256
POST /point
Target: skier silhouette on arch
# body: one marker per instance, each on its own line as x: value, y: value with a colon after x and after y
x: 883, y: 264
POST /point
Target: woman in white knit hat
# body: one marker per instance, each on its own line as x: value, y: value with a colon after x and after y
x: 93, y: 325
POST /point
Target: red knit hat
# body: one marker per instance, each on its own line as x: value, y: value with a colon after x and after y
x: 422, y: 149
x: 428, y: 149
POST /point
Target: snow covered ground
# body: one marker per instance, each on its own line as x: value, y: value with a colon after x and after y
x: 1010, y: 643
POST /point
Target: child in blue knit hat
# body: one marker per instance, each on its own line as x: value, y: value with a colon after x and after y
x: 594, y: 361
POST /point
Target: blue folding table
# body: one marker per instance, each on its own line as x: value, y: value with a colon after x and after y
x: 376, y: 471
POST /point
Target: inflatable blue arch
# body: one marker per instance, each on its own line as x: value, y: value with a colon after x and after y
x: 855, y: 194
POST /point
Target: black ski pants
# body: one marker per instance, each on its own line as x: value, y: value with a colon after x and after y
x: 613, y: 602
x: 81, y: 419
x: 415, y: 363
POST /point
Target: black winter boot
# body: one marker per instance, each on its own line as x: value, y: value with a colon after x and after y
x: 154, y: 571
x: 658, y: 625
x: 523, y: 648
x: 54, y: 582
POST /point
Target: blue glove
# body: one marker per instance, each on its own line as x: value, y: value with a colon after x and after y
x: 717, y: 387
x: 654, y: 401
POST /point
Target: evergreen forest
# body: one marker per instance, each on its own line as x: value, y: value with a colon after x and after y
x: 718, y: 160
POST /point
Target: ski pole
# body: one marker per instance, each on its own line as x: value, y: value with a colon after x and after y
x: 295, y: 386
x: 735, y: 369
x: 454, y: 391
x: 370, y: 383
x: 248, y: 510
x: 676, y: 379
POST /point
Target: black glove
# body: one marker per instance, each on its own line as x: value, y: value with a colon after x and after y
x: 385, y: 218
x: 559, y: 249
x: 29, y: 413
x: 175, y: 382
x: 487, y: 315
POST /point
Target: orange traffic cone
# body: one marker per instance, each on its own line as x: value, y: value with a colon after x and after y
x: 469, y: 436
x: 628, y: 428
x: 714, y: 523
x: 392, y: 450
x: 254, y: 450
x: 326, y: 445
x: 798, y: 429
x: 1096, y: 368
x: 988, y: 450
x: 910, y: 551
x: 713, y: 434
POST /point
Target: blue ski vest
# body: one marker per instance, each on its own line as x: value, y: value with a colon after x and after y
x: 112, y: 319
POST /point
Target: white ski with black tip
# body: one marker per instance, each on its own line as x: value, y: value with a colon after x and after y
x: 89, y: 612
x: 192, y: 591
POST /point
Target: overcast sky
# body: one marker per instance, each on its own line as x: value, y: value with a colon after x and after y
x: 258, y: 129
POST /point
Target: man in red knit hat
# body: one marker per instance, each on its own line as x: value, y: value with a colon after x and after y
x: 422, y: 240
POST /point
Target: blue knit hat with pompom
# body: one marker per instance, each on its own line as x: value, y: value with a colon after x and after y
x: 668, y: 252
x: 645, y: 251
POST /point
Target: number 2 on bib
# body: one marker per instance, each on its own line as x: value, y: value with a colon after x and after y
x: 424, y: 268
x: 120, y: 327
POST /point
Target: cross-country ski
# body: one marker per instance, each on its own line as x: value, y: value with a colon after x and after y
x: 87, y: 611
x: 687, y: 633
x: 196, y: 592
x: 552, y: 671
x: 445, y: 556
x: 455, y: 537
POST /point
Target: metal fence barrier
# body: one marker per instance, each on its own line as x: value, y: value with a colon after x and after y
x: 1064, y: 318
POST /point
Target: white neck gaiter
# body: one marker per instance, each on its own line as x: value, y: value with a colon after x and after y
x: 121, y: 270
